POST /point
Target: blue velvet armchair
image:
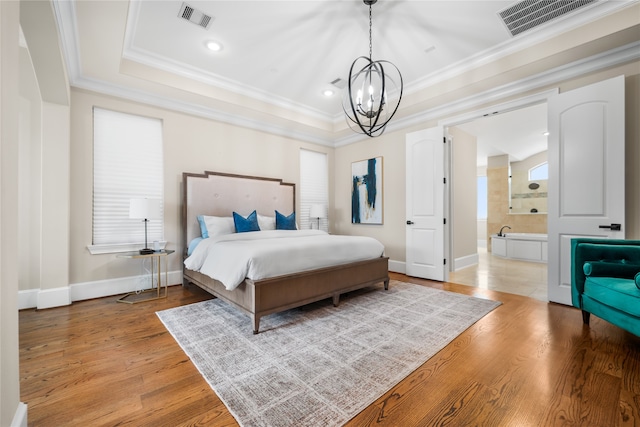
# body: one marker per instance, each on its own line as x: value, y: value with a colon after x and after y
x: 605, y: 281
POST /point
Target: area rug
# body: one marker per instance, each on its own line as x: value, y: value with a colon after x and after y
x: 319, y: 365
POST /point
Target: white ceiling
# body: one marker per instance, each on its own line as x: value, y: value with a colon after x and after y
x: 292, y: 50
x: 519, y: 133
x: 283, y: 54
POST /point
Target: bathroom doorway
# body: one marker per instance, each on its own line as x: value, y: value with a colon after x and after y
x: 508, y: 145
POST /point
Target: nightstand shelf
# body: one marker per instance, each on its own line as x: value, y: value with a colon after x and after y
x: 156, y: 276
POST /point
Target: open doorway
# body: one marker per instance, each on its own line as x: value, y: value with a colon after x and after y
x: 510, y: 148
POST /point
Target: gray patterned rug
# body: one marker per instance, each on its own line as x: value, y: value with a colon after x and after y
x: 319, y: 365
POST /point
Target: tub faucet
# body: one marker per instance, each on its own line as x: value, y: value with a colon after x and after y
x: 500, y: 234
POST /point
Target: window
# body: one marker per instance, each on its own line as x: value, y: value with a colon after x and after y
x: 482, y: 197
x: 539, y: 172
x: 314, y: 188
x: 127, y: 163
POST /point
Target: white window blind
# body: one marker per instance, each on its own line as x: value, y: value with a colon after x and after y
x: 314, y: 188
x: 127, y: 164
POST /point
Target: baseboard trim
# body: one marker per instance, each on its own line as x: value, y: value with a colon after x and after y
x: 54, y: 297
x: 58, y: 297
x: 397, y: 266
x: 20, y: 417
x: 466, y: 261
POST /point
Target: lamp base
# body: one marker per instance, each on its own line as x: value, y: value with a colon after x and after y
x: 146, y: 251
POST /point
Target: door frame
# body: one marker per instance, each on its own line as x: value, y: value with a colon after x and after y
x: 516, y: 104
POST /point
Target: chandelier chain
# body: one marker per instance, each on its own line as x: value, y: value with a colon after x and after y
x: 370, y: 38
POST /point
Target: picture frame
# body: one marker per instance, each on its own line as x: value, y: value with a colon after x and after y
x: 367, y: 192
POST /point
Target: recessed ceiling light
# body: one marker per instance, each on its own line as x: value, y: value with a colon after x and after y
x: 545, y: 133
x: 328, y: 92
x: 214, y: 46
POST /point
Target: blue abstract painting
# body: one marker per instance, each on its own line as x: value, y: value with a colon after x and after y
x: 366, y: 191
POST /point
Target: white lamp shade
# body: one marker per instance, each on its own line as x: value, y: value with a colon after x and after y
x: 145, y: 208
x: 317, y: 211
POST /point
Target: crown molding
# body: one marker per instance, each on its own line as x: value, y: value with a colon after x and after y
x: 67, y: 27
x: 529, y: 38
x: 150, y: 59
x: 614, y: 57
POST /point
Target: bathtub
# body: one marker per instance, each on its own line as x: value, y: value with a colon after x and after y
x: 520, y: 246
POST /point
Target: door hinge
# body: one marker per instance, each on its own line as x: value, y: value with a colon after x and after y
x: 445, y: 261
x: 444, y: 139
x: 444, y: 220
x: 444, y: 180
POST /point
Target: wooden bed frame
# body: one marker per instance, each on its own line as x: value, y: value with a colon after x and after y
x: 219, y: 194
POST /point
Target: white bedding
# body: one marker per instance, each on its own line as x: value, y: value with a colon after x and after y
x: 262, y: 254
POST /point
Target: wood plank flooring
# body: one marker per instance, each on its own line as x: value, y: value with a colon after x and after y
x: 528, y: 363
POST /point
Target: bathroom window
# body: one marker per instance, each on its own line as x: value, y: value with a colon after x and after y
x: 539, y: 172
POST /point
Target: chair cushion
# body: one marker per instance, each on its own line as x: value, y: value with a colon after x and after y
x: 621, y: 294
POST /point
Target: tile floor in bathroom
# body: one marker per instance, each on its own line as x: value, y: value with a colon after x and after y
x: 504, y: 275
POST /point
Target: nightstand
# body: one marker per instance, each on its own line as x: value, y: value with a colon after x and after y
x: 156, y: 274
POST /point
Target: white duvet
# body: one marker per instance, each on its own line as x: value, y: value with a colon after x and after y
x: 263, y: 254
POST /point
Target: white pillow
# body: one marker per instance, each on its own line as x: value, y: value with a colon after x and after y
x: 216, y: 225
x: 266, y: 222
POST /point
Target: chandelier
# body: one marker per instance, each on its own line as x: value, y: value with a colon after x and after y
x: 373, y: 93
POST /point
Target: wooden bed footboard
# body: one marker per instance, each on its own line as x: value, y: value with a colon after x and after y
x: 259, y: 298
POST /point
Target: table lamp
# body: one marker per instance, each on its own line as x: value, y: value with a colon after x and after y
x: 145, y: 209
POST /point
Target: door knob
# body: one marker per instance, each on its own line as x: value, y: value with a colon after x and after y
x: 409, y: 222
x: 613, y: 227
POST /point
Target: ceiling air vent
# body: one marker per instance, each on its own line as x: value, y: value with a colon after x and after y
x: 528, y: 14
x: 195, y: 16
x: 339, y: 83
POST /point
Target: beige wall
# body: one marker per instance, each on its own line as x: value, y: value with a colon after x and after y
x: 464, y: 194
x: 191, y: 144
x: 9, y: 154
x: 391, y: 145
x: 498, y: 202
x: 30, y: 177
x: 523, y: 199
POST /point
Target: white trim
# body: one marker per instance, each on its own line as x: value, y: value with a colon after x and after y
x: 397, y: 266
x: 58, y: 297
x: 28, y: 299
x: 55, y: 297
x: 465, y: 261
x: 120, y: 247
x: 153, y: 60
x: 557, y: 75
x: 20, y: 416
x: 67, y: 27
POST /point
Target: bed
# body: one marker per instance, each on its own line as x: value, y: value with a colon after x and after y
x: 221, y: 194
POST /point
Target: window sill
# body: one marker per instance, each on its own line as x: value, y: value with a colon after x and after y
x: 120, y: 247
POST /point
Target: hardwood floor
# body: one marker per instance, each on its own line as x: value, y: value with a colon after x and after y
x: 528, y: 363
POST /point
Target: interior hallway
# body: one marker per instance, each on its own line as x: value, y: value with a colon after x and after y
x: 498, y: 274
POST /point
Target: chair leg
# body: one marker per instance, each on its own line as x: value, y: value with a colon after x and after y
x: 585, y: 317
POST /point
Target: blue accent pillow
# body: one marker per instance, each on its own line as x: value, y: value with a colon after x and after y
x: 286, y: 222
x: 249, y: 223
x: 193, y: 244
x: 203, y: 227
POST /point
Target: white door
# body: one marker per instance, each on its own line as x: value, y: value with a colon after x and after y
x: 586, y: 160
x: 425, y: 204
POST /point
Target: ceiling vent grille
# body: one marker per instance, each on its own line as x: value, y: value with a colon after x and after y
x: 528, y: 14
x: 195, y: 16
x: 339, y: 83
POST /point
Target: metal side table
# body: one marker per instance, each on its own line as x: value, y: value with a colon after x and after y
x: 156, y: 275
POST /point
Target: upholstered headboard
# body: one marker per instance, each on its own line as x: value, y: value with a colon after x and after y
x: 220, y: 194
